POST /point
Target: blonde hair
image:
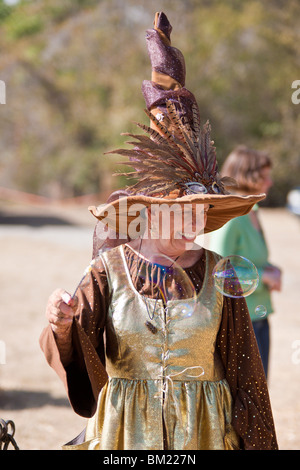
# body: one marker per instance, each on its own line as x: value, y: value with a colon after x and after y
x: 245, y: 166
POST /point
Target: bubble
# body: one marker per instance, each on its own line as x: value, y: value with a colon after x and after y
x: 168, y: 282
x: 260, y: 311
x: 235, y: 276
x: 85, y: 279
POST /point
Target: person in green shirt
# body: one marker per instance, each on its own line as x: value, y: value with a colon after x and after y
x: 244, y: 236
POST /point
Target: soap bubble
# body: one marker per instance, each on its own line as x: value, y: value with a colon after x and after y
x: 235, y: 276
x: 168, y: 283
x: 260, y: 311
x: 85, y: 279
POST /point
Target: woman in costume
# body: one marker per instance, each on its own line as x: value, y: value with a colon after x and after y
x: 243, y: 236
x: 152, y: 363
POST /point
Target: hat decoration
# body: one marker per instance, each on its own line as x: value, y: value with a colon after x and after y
x: 184, y: 159
x: 174, y: 161
x: 177, y: 153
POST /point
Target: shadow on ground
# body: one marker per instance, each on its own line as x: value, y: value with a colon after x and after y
x: 33, y: 220
x: 22, y: 399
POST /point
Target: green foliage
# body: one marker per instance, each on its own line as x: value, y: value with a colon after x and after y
x: 23, y: 26
x: 5, y: 10
x: 59, y: 12
x: 74, y: 71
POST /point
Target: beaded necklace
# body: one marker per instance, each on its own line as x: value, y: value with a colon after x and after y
x: 164, y: 269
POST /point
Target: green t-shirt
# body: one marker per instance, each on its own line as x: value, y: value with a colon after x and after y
x: 239, y: 237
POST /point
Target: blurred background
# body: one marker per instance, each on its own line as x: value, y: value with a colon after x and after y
x: 73, y: 72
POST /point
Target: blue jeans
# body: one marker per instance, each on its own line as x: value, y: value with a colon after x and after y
x: 262, y: 333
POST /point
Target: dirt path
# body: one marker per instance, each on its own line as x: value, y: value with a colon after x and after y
x: 41, y: 251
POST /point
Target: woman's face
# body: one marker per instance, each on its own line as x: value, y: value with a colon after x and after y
x: 175, y: 231
x: 266, y: 180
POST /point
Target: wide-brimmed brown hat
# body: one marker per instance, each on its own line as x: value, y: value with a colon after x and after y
x: 174, y: 161
x: 120, y: 214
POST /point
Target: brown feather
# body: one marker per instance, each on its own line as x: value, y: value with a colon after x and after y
x: 175, y: 154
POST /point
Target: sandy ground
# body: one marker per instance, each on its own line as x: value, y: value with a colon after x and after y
x: 44, y: 249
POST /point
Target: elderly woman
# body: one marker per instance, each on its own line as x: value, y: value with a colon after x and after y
x: 148, y: 349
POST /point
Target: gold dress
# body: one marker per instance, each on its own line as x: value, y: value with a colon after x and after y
x: 166, y: 387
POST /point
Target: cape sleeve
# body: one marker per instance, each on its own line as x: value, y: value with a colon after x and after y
x: 85, y: 374
x: 252, y: 415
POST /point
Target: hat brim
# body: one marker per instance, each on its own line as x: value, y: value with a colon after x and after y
x: 120, y: 213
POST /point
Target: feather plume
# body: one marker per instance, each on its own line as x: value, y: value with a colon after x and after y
x: 178, y: 152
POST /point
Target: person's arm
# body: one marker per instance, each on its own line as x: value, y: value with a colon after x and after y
x: 252, y: 415
x: 60, y: 313
x: 271, y: 277
x: 229, y: 241
x: 72, y: 336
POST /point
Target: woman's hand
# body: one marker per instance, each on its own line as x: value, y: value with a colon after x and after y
x: 272, y: 277
x: 60, y: 312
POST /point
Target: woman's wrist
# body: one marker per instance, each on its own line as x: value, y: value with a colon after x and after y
x: 63, y: 341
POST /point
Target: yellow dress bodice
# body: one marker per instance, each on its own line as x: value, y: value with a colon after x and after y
x: 166, y: 386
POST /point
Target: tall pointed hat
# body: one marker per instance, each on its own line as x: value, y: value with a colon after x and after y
x: 174, y: 160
